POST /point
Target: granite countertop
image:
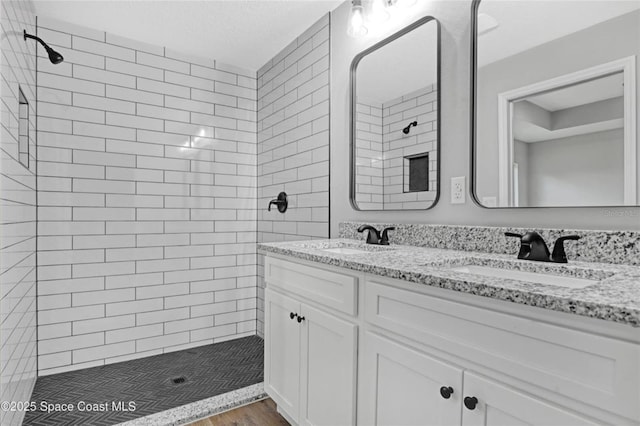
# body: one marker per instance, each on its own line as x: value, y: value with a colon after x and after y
x: 614, y: 296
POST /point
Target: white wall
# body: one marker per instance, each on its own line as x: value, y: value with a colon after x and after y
x: 599, y: 44
x: 455, y: 20
x: 406, y: 68
x: 17, y: 213
x: 521, y: 157
x: 579, y: 170
x: 146, y: 200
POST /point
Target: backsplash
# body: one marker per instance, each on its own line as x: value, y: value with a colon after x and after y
x: 620, y: 247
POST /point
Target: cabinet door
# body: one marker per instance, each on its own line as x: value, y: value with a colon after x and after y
x: 499, y: 405
x: 328, y: 356
x: 282, y: 352
x: 399, y: 385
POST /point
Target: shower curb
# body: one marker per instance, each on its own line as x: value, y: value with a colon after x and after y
x: 197, y: 410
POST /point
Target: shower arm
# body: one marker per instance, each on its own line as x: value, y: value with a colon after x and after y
x: 407, y: 129
x: 54, y: 56
x: 26, y: 36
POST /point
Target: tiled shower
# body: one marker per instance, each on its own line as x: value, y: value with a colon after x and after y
x: 146, y: 200
x: 154, y: 170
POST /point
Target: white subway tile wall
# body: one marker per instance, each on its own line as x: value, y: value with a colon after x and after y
x: 147, y: 200
x: 293, y: 143
x: 420, y: 106
x: 17, y: 212
x: 369, y: 164
x: 382, y: 150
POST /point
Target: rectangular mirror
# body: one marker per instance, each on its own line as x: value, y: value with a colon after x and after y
x: 555, y: 103
x: 395, y: 98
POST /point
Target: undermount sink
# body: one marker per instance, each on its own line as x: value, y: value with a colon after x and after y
x: 531, y: 277
x: 348, y: 247
x: 345, y: 250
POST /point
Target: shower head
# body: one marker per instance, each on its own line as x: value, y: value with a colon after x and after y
x: 408, y: 128
x: 54, y: 56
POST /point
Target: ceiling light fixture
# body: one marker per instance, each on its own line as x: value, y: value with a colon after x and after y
x: 377, y: 12
x: 356, y: 20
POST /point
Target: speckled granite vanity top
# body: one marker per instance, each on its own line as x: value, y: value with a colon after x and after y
x: 613, y: 296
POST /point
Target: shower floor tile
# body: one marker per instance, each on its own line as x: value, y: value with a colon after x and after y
x: 149, y: 383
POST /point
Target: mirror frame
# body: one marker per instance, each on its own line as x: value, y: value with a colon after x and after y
x: 352, y: 111
x: 473, y: 170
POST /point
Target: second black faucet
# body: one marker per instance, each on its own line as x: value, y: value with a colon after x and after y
x: 374, y: 236
x: 533, y: 247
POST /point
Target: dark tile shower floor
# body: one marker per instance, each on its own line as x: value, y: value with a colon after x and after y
x: 208, y: 371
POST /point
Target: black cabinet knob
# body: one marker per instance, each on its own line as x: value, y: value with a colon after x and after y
x: 470, y: 402
x: 292, y: 315
x: 446, y: 392
x: 300, y: 319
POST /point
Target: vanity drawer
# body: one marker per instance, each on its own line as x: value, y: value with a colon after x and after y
x: 589, y: 368
x: 332, y: 289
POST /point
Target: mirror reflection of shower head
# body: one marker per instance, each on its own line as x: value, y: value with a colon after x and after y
x: 54, y: 56
x: 406, y: 129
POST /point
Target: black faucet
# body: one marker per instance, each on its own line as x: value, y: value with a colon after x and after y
x: 281, y: 202
x: 533, y: 247
x: 373, y: 236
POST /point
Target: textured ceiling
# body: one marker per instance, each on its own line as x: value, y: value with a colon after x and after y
x: 239, y: 32
x: 524, y: 24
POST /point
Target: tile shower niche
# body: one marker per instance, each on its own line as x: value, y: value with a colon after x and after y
x: 416, y: 173
x: 23, y: 129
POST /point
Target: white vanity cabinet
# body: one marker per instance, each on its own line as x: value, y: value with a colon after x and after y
x: 422, y: 350
x: 404, y: 386
x: 310, y: 348
x: 499, y: 404
x: 399, y: 385
x: 522, y: 365
x: 282, y: 352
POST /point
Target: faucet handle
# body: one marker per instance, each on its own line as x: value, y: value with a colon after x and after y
x: 281, y: 202
x: 559, y: 255
x: 524, y: 250
x: 384, y: 240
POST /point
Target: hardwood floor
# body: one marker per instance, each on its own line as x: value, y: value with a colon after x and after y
x: 261, y: 413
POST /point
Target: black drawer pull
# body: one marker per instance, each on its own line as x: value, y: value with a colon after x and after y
x: 293, y: 315
x: 300, y: 319
x: 470, y: 402
x: 446, y: 392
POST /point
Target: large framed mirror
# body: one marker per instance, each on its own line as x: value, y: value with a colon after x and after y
x: 395, y: 104
x: 555, y: 119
